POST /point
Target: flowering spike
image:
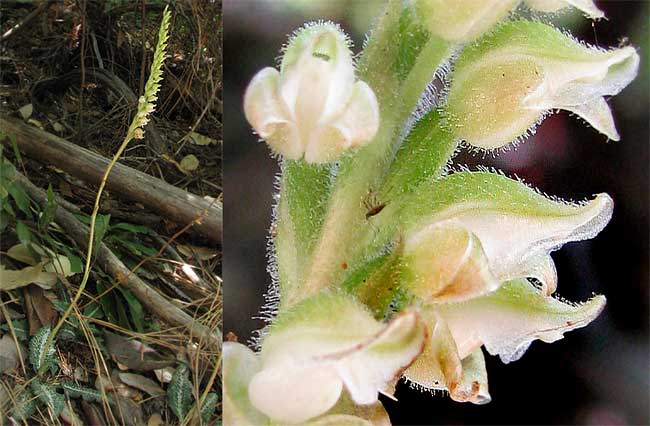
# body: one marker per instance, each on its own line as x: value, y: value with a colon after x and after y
x: 313, y: 108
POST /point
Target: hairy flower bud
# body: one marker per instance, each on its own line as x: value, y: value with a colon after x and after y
x: 313, y: 107
x: 505, y: 84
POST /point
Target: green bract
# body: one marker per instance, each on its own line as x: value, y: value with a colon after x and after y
x: 389, y: 263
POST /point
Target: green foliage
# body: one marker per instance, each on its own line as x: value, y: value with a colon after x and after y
x: 21, y: 198
x: 23, y: 232
x: 48, y: 395
x: 37, y: 356
x: 209, y: 406
x: 101, y: 227
x: 422, y: 156
x: 21, y: 328
x: 25, y: 406
x: 135, y: 309
x: 75, y: 390
x: 179, y: 392
x: 47, y: 215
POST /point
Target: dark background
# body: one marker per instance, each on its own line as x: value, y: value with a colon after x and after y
x: 596, y: 375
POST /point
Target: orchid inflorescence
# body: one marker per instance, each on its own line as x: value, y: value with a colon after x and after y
x: 387, y: 262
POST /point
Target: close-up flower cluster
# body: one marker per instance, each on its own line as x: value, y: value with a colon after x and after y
x: 389, y: 260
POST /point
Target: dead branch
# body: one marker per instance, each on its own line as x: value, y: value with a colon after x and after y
x: 147, y: 295
x: 171, y: 202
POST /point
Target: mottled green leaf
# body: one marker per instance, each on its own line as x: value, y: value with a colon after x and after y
x: 75, y: 390
x: 37, y: 348
x: 48, y: 395
x: 179, y: 392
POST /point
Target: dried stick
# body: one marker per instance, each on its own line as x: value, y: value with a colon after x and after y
x: 156, y: 195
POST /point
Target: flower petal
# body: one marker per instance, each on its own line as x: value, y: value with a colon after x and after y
x: 473, y: 386
x: 309, y: 354
x: 293, y: 393
x: 579, y: 86
x: 509, y: 319
x: 585, y: 6
x: 541, y: 268
x: 239, y: 366
x: 346, y: 410
x: 266, y: 112
x: 532, y: 236
x: 317, y: 72
x: 598, y: 114
x: 445, y: 262
x: 440, y: 367
x: 368, y: 369
x: 340, y: 420
x: 354, y: 126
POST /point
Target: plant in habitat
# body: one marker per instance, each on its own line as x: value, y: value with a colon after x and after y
x: 388, y: 262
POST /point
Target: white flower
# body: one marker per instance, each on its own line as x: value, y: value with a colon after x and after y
x: 326, y: 344
x: 468, y: 260
x: 313, y: 107
x: 484, y: 229
x: 506, y: 83
x: 505, y: 321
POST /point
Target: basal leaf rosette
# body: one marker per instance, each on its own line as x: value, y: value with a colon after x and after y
x: 469, y: 252
x: 313, y: 108
x: 313, y: 351
x: 504, y: 84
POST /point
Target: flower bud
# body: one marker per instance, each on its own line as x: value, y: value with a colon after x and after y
x: 313, y: 108
x: 462, y: 20
x: 505, y: 84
